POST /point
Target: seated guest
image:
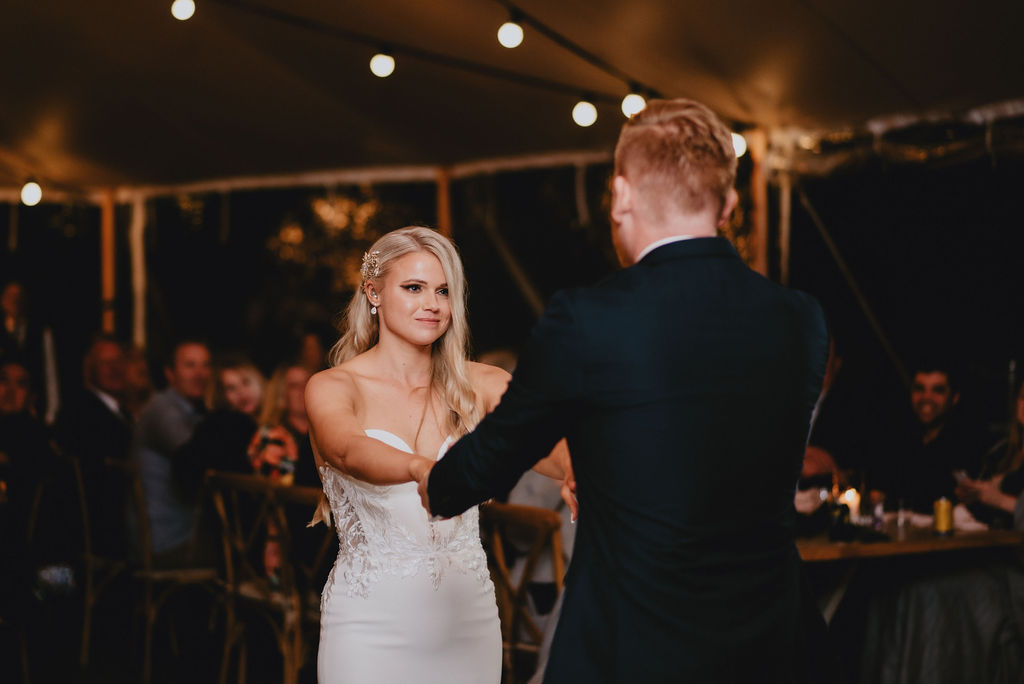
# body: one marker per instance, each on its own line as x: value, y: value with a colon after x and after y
x: 16, y: 396
x: 24, y: 336
x: 94, y: 426
x: 165, y: 425
x: 280, y: 449
x: 1001, y: 481
x: 918, y: 466
x: 30, y: 467
x: 221, y: 440
x: 138, y: 384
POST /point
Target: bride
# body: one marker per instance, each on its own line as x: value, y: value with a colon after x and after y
x: 408, y: 599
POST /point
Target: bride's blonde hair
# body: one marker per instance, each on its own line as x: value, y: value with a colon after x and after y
x: 361, y: 329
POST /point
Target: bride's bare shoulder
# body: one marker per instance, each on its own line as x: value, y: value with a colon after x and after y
x: 340, y: 382
x: 489, y: 382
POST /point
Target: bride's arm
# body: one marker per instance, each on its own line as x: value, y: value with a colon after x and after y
x: 340, y: 441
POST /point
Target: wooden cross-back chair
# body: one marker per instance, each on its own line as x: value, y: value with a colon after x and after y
x: 158, y: 584
x: 313, y: 548
x: 99, y: 570
x: 40, y: 491
x: 541, y: 526
x: 253, y: 512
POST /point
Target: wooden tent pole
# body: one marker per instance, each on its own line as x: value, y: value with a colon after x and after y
x: 107, y: 258
x: 785, y: 222
x: 444, y: 202
x: 851, y: 282
x: 136, y: 241
x: 757, y: 145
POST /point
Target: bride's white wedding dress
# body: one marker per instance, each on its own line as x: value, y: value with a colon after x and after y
x: 408, y: 600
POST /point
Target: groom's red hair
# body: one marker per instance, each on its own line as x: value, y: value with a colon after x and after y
x: 678, y: 151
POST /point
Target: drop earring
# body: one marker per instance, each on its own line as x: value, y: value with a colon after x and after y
x: 373, y: 310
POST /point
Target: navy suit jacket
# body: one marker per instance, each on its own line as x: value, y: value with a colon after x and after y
x: 685, y: 386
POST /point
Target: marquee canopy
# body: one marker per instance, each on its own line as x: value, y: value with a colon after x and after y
x: 105, y: 93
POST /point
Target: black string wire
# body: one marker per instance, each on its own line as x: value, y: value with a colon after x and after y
x: 376, y: 42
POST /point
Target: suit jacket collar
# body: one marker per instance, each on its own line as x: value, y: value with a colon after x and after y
x: 694, y: 247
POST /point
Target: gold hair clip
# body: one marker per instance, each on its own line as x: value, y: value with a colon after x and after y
x: 371, y: 265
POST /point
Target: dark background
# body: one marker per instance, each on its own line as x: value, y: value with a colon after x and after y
x: 935, y: 248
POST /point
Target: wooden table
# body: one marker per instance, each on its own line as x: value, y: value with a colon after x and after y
x: 914, y: 541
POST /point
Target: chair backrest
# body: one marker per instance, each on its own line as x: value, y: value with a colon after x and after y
x: 313, y: 549
x: 541, y: 527
x: 57, y: 493
x: 140, y: 530
x: 83, y: 505
x: 253, y: 518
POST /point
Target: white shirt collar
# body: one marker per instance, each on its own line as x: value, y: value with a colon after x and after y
x: 110, y: 401
x: 660, y: 243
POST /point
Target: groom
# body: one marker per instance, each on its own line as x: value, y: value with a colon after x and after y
x: 684, y: 384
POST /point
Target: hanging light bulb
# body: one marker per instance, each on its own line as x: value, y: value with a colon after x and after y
x: 584, y: 113
x: 31, y: 193
x: 382, y: 64
x: 182, y: 10
x: 510, y: 34
x: 633, y: 103
x: 739, y: 143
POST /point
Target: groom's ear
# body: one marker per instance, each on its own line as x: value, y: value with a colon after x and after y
x: 728, y: 206
x: 622, y: 198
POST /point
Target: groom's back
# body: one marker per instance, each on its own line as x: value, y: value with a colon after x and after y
x: 698, y: 378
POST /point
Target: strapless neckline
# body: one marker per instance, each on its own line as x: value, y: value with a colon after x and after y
x: 375, y: 432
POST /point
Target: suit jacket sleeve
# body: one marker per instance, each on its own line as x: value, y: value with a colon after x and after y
x: 530, y: 419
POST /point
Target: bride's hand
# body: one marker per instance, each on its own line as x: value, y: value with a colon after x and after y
x: 419, y: 472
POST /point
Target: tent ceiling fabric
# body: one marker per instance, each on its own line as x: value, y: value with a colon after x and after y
x: 110, y: 93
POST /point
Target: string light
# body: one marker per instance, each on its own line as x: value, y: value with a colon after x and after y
x: 382, y: 64
x: 31, y: 194
x: 633, y: 103
x: 510, y: 34
x: 584, y: 113
x: 739, y: 143
x: 182, y: 10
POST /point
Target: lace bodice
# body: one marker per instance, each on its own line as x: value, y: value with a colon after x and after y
x: 385, y: 530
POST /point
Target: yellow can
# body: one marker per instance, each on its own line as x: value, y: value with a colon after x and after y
x: 944, y: 517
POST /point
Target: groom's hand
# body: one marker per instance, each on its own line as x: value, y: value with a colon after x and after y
x: 419, y: 470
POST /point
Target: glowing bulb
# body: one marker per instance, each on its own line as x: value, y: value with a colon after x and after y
x: 31, y: 193
x: 510, y: 34
x: 183, y: 9
x: 739, y: 143
x: 382, y: 65
x: 584, y: 113
x: 633, y: 103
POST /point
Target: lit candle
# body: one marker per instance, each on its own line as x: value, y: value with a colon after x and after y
x: 851, y: 497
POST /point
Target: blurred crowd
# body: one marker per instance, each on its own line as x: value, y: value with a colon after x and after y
x: 212, y: 409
